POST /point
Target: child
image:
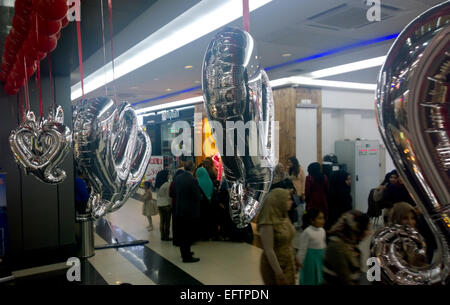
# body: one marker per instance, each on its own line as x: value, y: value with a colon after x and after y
x: 312, y: 248
x: 149, y: 208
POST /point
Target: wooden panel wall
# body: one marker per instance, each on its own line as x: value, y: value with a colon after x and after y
x: 285, y: 100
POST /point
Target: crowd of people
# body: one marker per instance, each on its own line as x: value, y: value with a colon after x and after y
x: 194, y: 203
x: 331, y: 231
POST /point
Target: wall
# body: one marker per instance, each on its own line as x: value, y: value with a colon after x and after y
x: 41, y: 217
x: 285, y: 100
x: 349, y: 114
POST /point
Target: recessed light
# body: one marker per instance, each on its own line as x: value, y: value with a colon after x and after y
x: 286, y: 54
x: 197, y: 82
x: 168, y: 89
x: 134, y: 87
x: 156, y: 79
x: 188, y: 67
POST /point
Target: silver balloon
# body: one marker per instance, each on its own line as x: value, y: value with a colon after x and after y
x: 236, y: 89
x: 40, y: 147
x: 413, y: 115
x: 112, y: 151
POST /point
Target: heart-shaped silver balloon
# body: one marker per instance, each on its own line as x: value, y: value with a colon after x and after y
x: 413, y: 114
x: 236, y: 90
x: 40, y: 147
x: 112, y: 150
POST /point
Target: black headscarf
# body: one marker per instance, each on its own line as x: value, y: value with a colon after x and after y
x: 315, y: 170
x: 161, y: 178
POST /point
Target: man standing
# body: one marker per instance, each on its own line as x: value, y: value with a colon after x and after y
x: 187, y: 210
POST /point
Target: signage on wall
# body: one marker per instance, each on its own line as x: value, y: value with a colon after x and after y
x: 156, y: 164
x: 170, y: 115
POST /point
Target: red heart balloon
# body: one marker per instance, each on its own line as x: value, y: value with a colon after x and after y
x: 9, y: 89
x: 3, y: 76
x: 51, y: 9
x: 41, y: 55
x: 64, y: 22
x: 21, y: 24
x: 48, y: 27
x: 23, y: 7
x: 58, y: 35
x: 46, y: 43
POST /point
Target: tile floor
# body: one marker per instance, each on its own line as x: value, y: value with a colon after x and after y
x: 221, y: 263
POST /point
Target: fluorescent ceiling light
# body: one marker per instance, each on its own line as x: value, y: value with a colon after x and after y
x: 189, y: 101
x: 306, y: 81
x: 354, y: 66
x: 201, y: 19
x: 295, y: 80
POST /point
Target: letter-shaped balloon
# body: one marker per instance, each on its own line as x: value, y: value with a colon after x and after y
x: 40, y: 147
x: 413, y: 115
x: 112, y: 151
x: 237, y: 89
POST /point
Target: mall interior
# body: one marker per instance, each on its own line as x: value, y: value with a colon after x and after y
x: 170, y: 62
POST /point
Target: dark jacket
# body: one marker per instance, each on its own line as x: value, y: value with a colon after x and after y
x: 396, y: 193
x: 188, y: 196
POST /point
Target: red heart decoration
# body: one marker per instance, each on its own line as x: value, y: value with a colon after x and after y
x: 51, y: 9
x: 64, y: 22
x: 23, y: 7
x: 11, y: 90
x: 47, y: 43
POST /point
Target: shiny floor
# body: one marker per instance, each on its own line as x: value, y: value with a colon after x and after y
x: 159, y: 262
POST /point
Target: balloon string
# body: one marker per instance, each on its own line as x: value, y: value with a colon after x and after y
x: 80, y: 57
x: 27, y: 96
x: 104, y: 48
x: 112, y: 46
x: 246, y: 16
x: 41, y: 110
x: 52, y: 88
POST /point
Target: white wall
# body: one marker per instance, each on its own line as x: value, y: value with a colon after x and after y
x: 349, y: 114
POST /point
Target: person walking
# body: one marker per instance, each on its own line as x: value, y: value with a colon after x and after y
x: 281, y: 180
x: 339, y: 197
x: 164, y: 203
x: 342, y: 262
x: 149, y: 208
x: 316, y: 189
x: 187, y: 211
x: 277, y: 265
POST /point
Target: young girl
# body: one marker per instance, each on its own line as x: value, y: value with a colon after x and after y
x: 149, y: 208
x: 312, y: 247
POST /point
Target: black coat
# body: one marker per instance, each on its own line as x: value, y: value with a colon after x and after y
x: 188, y: 196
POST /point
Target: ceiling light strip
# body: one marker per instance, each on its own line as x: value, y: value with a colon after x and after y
x: 333, y: 51
x: 201, y: 19
x: 354, y: 66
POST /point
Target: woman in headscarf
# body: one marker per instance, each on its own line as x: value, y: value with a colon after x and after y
x: 339, y: 197
x: 207, y: 189
x: 278, y: 264
x: 342, y: 263
x: 405, y: 215
x: 281, y: 180
x: 316, y: 189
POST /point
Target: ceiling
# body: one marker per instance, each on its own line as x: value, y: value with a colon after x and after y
x: 298, y: 27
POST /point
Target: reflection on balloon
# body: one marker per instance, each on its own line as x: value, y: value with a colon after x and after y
x: 236, y: 89
x: 412, y: 111
x: 40, y: 147
x: 112, y: 151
